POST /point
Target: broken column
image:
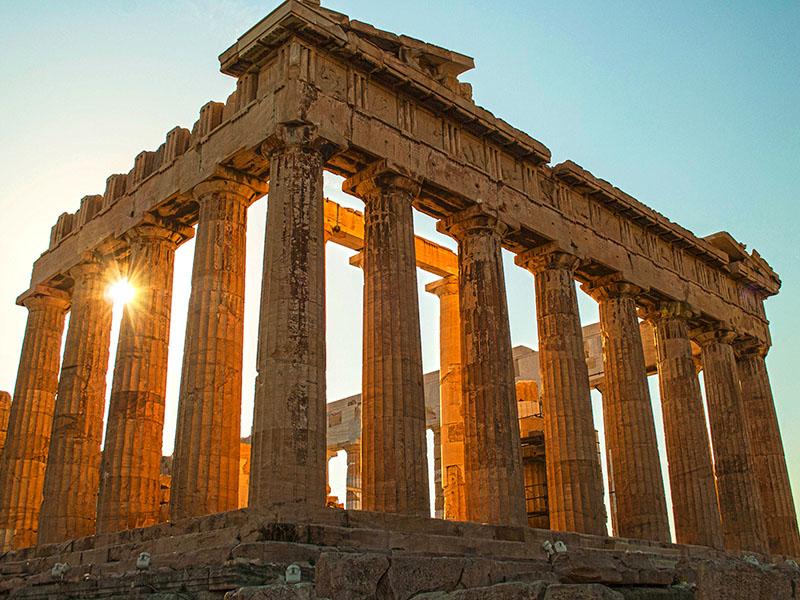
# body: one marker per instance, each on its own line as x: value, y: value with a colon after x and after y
x: 451, y: 399
x: 394, y: 474
x: 766, y: 447
x: 24, y: 458
x: 574, y: 481
x: 131, y: 465
x: 205, y: 477
x: 631, y: 448
x: 737, y: 486
x: 493, y: 477
x: 289, y: 421
x: 69, y: 507
x: 691, y: 474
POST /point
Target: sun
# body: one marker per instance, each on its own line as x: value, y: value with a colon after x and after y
x: 121, y: 292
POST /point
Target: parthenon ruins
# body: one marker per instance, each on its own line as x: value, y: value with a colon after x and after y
x: 315, y: 92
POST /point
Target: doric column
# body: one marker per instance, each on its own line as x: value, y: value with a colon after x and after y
x: 766, y: 447
x: 631, y: 447
x: 438, y: 489
x: 451, y: 399
x: 289, y: 422
x: 394, y: 474
x: 69, y: 508
x: 5, y: 412
x: 574, y: 481
x: 206, y: 463
x: 353, y: 500
x: 493, y: 477
x: 131, y: 465
x: 24, y: 456
x: 737, y: 486
x: 691, y: 473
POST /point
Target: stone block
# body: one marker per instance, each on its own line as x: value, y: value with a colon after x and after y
x: 300, y: 591
x: 351, y: 576
x: 410, y: 575
x: 501, y: 591
x: 581, y: 592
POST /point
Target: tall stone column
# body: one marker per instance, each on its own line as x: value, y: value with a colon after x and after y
x: 394, y: 474
x: 631, y: 447
x: 451, y: 399
x: 206, y: 463
x: 769, y: 459
x: 493, y: 476
x: 131, y: 465
x: 737, y: 486
x: 5, y: 412
x: 289, y: 422
x: 438, y: 488
x: 24, y: 458
x: 71, y: 482
x: 691, y: 472
x: 574, y: 481
x: 353, y: 500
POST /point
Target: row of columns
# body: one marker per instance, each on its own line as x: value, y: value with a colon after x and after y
x: 483, y: 476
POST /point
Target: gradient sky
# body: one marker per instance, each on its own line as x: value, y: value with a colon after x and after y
x: 692, y: 107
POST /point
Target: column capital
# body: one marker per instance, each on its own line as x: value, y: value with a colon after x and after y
x: 668, y: 309
x: 547, y: 257
x: 476, y: 219
x: 44, y: 296
x: 300, y: 136
x: 381, y: 177
x: 357, y: 260
x: 751, y: 348
x: 447, y: 286
x: 610, y: 287
x: 714, y: 334
x: 154, y: 228
x: 228, y: 182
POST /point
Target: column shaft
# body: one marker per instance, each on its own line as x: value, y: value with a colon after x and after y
x: 691, y: 473
x: 353, y: 500
x: 574, y: 482
x: 72, y: 479
x: 130, y: 487
x: 289, y: 424
x: 493, y: 476
x: 394, y: 474
x: 737, y: 486
x: 769, y: 459
x: 5, y: 412
x: 24, y: 458
x: 451, y: 399
x: 205, y: 477
x: 631, y: 447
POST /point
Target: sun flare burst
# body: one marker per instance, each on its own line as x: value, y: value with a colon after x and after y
x: 121, y: 292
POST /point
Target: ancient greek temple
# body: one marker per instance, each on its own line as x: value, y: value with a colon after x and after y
x: 317, y: 91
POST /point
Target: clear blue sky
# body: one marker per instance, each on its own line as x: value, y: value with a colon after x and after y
x: 692, y: 107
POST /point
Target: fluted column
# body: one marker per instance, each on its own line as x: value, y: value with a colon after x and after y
x: 5, y: 412
x: 691, y: 473
x: 289, y: 422
x: 737, y: 486
x: 206, y: 463
x: 766, y: 446
x: 394, y: 474
x: 631, y: 447
x: 131, y: 464
x: 493, y: 476
x: 24, y: 456
x: 451, y: 400
x: 574, y: 481
x: 69, y: 508
x: 353, y: 500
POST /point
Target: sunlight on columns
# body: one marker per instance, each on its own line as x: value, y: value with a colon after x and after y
x: 120, y: 292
